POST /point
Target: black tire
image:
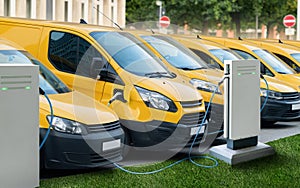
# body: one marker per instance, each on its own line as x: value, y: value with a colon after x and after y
x: 264, y: 123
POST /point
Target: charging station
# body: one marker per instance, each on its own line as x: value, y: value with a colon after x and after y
x: 241, y: 113
x: 19, y: 135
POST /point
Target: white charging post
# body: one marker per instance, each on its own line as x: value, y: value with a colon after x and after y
x: 241, y: 113
x: 19, y: 123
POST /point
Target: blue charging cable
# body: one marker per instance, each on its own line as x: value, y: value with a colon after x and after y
x: 265, y: 102
x: 190, y: 158
x: 51, y: 119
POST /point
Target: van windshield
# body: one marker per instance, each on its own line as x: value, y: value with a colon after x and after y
x: 224, y: 54
x: 131, y: 54
x: 175, y: 53
x: 47, y: 80
x: 276, y: 64
x: 296, y: 56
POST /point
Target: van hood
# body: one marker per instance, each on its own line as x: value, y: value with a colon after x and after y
x: 292, y: 79
x: 277, y: 85
x: 210, y: 75
x: 78, y: 107
x: 177, y: 89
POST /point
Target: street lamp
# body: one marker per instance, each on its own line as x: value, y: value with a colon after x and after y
x: 159, y: 3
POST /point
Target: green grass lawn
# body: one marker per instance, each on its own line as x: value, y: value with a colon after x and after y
x: 280, y: 170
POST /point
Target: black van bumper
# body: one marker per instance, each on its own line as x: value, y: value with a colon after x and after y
x: 67, y: 151
x: 277, y: 110
x: 162, y: 135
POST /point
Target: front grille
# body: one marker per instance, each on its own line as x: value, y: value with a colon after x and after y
x: 191, y: 104
x: 104, y: 127
x: 197, y: 141
x: 290, y: 96
x: 192, y: 119
x: 96, y: 158
x: 291, y: 113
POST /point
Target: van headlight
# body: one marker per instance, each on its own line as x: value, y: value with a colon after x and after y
x: 67, y: 126
x: 156, y: 100
x: 271, y: 94
x: 205, y: 86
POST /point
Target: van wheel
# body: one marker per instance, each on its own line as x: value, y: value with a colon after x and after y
x: 264, y: 123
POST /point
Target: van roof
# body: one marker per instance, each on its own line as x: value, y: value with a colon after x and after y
x: 66, y: 25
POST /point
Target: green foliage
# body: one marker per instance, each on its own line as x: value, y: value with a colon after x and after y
x: 203, y: 14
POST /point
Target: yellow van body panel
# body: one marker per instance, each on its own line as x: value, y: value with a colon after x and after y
x: 77, y: 107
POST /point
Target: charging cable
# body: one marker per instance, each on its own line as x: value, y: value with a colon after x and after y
x: 267, y: 97
x: 190, y: 158
x: 51, y: 118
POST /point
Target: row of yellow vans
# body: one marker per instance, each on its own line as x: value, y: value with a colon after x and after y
x: 155, y: 108
x: 156, y: 87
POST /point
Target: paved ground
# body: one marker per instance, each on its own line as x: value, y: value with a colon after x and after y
x: 279, y: 130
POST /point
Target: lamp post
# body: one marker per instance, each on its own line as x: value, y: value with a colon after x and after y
x: 298, y: 20
x: 159, y: 3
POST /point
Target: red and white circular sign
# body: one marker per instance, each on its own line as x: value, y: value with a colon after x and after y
x: 289, y: 21
x: 164, y: 21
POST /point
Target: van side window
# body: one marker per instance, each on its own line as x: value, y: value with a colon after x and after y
x: 288, y: 61
x: 72, y: 54
x: 243, y: 54
x: 208, y: 60
x: 263, y: 69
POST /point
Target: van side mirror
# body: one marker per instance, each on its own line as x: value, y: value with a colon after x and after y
x: 108, y: 76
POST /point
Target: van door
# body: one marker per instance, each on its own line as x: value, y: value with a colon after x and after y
x: 76, y: 62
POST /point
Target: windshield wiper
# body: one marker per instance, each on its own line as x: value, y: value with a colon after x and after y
x: 158, y: 74
x: 191, y: 68
x: 281, y: 72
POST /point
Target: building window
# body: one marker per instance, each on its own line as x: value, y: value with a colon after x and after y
x: 49, y: 10
x: 28, y: 8
x: 6, y: 8
x: 66, y: 11
x: 82, y: 10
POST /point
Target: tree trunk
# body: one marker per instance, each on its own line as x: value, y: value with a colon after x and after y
x: 205, y: 27
x: 269, y: 29
x: 237, y: 21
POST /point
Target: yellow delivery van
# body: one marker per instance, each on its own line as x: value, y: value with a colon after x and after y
x: 84, y: 134
x: 183, y: 61
x: 156, y: 107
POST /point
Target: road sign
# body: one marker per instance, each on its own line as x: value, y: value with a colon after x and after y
x: 289, y: 21
x: 164, y: 21
x: 289, y: 31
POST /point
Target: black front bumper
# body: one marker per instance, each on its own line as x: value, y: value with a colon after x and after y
x: 155, y: 135
x: 215, y: 117
x: 67, y: 151
x: 277, y: 110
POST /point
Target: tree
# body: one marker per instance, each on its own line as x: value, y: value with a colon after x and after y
x: 274, y: 11
x: 205, y: 14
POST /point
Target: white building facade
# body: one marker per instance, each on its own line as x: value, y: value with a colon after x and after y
x: 92, y: 11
